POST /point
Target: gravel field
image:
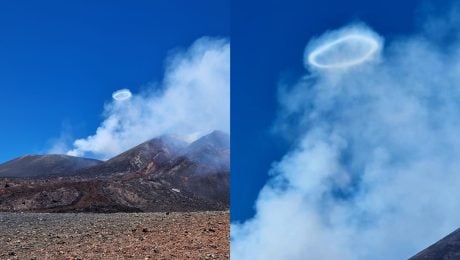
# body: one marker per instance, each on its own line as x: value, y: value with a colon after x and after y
x: 198, y: 235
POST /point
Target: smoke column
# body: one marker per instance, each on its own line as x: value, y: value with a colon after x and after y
x: 192, y: 100
x: 375, y: 169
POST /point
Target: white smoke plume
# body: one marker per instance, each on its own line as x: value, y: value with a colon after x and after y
x: 192, y: 100
x: 375, y: 172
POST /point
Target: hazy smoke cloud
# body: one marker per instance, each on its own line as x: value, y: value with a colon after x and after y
x: 194, y: 99
x: 375, y: 173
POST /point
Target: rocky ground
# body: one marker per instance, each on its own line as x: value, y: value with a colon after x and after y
x: 198, y: 235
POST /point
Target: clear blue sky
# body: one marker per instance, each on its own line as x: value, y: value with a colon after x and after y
x: 61, y: 60
x: 268, y: 41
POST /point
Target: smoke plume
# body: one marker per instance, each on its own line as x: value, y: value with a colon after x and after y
x: 375, y: 169
x: 192, y: 100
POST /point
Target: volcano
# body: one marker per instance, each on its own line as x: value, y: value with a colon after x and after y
x: 161, y: 174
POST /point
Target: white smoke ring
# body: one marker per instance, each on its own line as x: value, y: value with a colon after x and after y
x: 373, y: 47
x: 122, y: 94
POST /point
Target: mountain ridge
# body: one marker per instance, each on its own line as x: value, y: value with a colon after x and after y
x: 157, y: 175
x: 44, y: 165
x: 448, y: 248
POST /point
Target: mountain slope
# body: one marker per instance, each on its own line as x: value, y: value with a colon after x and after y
x: 447, y: 248
x: 212, y: 150
x: 45, y: 165
x: 149, y: 154
x: 162, y: 174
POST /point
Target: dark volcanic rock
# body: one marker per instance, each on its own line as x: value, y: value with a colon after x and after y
x: 447, y: 248
x: 150, y: 154
x: 44, y: 165
x: 162, y: 174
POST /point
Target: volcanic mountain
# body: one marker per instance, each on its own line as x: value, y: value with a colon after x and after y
x: 447, y: 248
x: 162, y: 174
x: 45, y: 165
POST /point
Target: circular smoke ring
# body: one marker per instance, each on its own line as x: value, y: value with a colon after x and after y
x: 122, y: 94
x: 372, y: 47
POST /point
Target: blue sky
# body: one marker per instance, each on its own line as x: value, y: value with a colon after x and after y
x: 268, y: 41
x: 60, y: 61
